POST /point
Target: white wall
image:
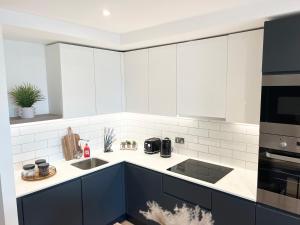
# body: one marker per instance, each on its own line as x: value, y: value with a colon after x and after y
x: 1, y: 206
x: 6, y: 168
x: 26, y: 62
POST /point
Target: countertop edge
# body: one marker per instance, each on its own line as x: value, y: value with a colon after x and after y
x: 165, y: 172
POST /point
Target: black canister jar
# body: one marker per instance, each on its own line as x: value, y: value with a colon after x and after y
x: 43, y: 169
x: 166, y: 148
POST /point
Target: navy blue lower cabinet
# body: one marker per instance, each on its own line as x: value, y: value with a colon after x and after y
x: 142, y: 185
x: 103, y: 196
x: 187, y: 191
x: 230, y: 210
x: 59, y: 205
x: 20, y: 211
x: 268, y: 216
x: 169, y: 202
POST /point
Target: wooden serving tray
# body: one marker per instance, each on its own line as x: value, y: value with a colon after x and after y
x: 37, y: 177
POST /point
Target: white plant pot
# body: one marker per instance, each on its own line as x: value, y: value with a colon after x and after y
x: 26, y: 113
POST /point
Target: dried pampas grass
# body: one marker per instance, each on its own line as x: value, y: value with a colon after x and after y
x: 181, y: 216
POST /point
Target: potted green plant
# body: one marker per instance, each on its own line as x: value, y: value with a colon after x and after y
x: 25, y: 96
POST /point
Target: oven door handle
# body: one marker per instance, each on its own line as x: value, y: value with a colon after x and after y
x: 282, y: 157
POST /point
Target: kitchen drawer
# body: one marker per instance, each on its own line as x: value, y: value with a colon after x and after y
x: 271, y: 216
x: 231, y: 210
x: 187, y: 191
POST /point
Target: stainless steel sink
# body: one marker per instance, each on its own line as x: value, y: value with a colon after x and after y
x: 89, y: 163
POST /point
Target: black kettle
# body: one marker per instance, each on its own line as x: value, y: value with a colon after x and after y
x: 166, y: 148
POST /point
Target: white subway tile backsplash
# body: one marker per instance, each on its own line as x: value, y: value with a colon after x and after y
x: 14, y: 131
x: 245, y: 155
x: 56, y: 157
x: 208, y: 156
x: 188, y: 123
x: 253, y: 130
x: 47, y: 152
x: 251, y: 166
x: 16, y: 149
x: 252, y: 148
x: 235, y: 128
x: 46, y: 135
x: 220, y: 151
x: 220, y: 135
x: 209, y: 141
x: 188, y: 152
x: 173, y: 128
x: 214, y: 140
x: 52, y: 142
x: 23, y: 139
x: 34, y: 146
x: 23, y: 156
x: 232, y: 162
x: 190, y: 138
x: 233, y: 145
x: 245, y: 138
x: 198, y: 132
x: 198, y: 147
x: 209, y: 125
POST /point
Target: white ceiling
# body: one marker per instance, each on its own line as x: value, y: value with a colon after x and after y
x: 126, y: 15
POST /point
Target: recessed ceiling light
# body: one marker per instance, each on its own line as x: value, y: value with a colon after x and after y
x: 106, y: 12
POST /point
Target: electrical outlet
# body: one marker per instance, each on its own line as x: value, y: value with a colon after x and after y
x: 179, y: 140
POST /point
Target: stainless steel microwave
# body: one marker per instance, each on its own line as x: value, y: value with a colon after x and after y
x: 280, y: 105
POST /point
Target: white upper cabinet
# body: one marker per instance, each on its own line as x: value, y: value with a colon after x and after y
x: 162, y: 80
x: 108, y: 81
x: 75, y: 81
x: 136, y: 81
x: 201, y: 77
x: 244, y: 77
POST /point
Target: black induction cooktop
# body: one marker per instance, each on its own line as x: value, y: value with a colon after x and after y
x: 201, y: 170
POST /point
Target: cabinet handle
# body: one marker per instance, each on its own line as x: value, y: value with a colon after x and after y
x: 282, y: 157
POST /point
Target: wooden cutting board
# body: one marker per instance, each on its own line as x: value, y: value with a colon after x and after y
x: 70, y: 144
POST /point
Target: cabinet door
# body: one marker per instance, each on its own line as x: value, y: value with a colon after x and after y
x: 201, y: 84
x: 108, y: 81
x: 189, y: 192
x: 136, y: 81
x: 142, y: 185
x: 268, y: 216
x: 282, y: 46
x: 78, y: 81
x: 103, y: 196
x: 20, y: 211
x: 55, y: 206
x: 162, y: 80
x: 231, y: 210
x: 244, y: 77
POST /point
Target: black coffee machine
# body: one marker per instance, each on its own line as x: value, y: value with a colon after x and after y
x: 166, y: 148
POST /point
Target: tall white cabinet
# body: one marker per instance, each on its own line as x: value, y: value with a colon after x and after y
x: 108, y: 81
x: 244, y: 77
x: 71, y: 78
x: 162, y: 80
x: 136, y: 81
x: 201, y: 78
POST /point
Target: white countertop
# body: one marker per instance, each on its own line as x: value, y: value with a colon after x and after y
x: 240, y: 182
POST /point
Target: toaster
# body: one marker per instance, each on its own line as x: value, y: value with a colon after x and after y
x: 152, y: 145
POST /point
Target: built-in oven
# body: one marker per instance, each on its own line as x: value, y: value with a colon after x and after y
x: 279, y: 172
x: 280, y: 105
